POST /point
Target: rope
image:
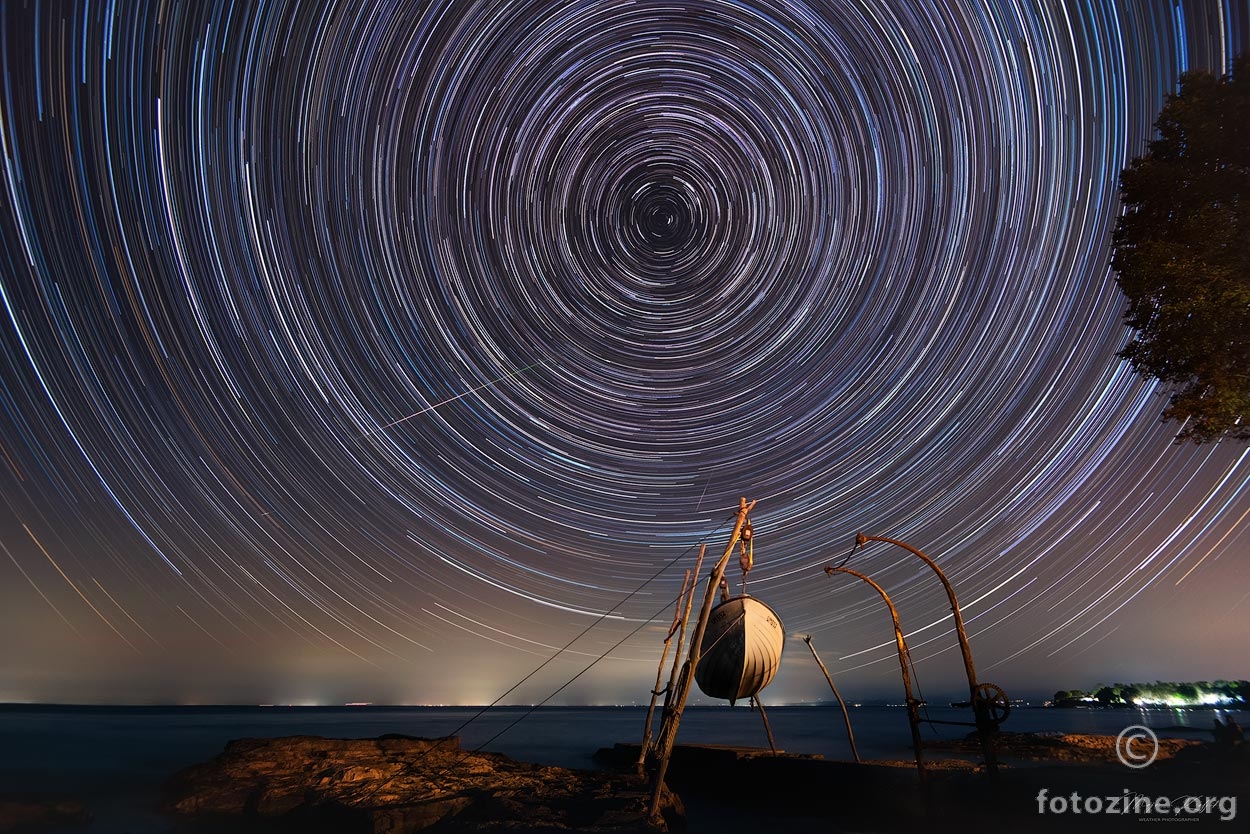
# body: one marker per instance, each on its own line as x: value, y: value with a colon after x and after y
x: 412, y: 765
x: 928, y: 721
x: 564, y: 685
x: 582, y: 634
x: 848, y: 556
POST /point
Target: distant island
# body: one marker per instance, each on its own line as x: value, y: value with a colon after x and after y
x: 1214, y: 694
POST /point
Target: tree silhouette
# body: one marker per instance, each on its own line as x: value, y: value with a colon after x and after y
x: 1182, y: 259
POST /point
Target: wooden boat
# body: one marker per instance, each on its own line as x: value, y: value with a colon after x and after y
x: 741, y: 649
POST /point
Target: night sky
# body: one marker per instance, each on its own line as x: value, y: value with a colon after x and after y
x: 374, y: 351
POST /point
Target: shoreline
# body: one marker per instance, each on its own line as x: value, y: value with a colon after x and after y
x: 311, y: 784
x: 115, y: 764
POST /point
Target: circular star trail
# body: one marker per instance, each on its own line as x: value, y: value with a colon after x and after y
x: 399, y: 342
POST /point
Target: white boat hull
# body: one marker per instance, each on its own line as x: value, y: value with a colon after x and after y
x: 741, y: 649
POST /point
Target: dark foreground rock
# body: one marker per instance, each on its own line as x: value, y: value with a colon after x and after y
x: 399, y: 784
x: 32, y: 815
x: 1044, y: 784
x: 1061, y: 747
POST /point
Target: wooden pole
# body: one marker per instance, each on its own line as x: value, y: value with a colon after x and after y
x: 985, y: 727
x: 688, y: 603
x: 960, y: 633
x: 768, y: 730
x: 672, y: 716
x: 846, y: 716
x: 659, y: 670
x: 681, y: 637
x: 913, y: 713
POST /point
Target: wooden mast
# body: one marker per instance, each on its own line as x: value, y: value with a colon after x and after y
x: 673, y: 709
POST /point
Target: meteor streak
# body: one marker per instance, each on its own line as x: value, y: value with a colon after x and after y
x: 430, y: 408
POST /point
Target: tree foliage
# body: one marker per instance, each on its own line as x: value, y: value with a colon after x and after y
x: 1182, y: 255
x: 1169, y: 693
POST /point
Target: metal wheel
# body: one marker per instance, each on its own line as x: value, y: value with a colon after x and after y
x: 990, y: 702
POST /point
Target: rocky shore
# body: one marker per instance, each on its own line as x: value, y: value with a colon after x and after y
x: 400, y: 784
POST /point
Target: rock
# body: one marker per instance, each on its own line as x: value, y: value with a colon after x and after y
x: 399, y: 784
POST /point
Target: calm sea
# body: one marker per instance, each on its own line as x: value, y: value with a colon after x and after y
x: 114, y: 759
